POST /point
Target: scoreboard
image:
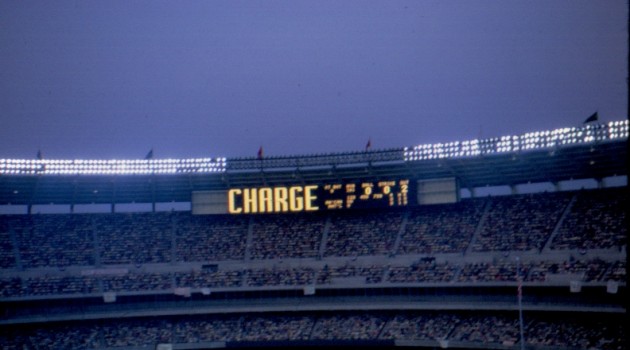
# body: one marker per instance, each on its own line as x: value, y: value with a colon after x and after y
x: 366, y: 194
x: 326, y: 196
x: 319, y: 197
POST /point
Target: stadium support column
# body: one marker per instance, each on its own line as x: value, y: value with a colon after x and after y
x: 173, y: 237
x: 322, y: 245
x: 556, y: 228
x: 403, y: 225
x: 519, y: 280
x: 249, y: 240
x: 16, y: 249
x: 476, y: 234
x: 152, y: 181
x: 113, y: 203
x: 97, y: 246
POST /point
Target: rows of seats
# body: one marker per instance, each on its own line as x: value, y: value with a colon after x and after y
x: 594, y: 219
x: 53, y: 240
x: 597, y: 220
x: 357, y: 234
x: 287, y: 236
x: 7, y: 256
x: 421, y: 271
x: 445, y: 228
x: 488, y: 328
x: 521, y: 222
x: 209, y: 238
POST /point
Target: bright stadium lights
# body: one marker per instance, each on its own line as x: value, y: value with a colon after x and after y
x: 529, y: 141
x: 111, y: 167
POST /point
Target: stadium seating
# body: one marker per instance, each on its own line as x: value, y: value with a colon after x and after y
x: 428, y: 328
x: 561, y: 236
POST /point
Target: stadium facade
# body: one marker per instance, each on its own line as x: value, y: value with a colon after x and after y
x: 386, y: 248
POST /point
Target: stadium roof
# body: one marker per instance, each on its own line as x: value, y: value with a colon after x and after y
x: 593, y: 151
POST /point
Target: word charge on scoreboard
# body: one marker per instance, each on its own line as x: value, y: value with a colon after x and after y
x: 319, y: 197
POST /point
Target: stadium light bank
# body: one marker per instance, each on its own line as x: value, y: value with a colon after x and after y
x: 527, y: 142
x: 592, y: 133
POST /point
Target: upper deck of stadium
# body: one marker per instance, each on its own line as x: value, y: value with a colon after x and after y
x: 592, y: 151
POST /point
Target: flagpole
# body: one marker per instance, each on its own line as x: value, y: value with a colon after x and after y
x: 520, y: 301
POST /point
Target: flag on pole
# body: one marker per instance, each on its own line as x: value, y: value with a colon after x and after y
x: 39, y: 155
x: 260, y: 153
x: 149, y: 155
x: 593, y: 118
x: 368, y: 145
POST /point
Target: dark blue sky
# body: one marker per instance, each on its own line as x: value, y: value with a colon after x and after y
x: 113, y: 79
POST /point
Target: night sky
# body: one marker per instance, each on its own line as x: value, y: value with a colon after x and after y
x: 114, y: 79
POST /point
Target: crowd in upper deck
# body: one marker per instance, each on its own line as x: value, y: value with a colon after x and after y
x: 594, y: 219
x: 580, y: 220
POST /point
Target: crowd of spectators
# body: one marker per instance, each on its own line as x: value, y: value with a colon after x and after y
x: 426, y: 326
x: 71, y: 336
x: 597, y: 219
x: 368, y: 274
x: 7, y: 257
x: 280, y: 276
x: 138, y: 282
x: 616, y: 272
x: 588, y: 334
x: 575, y: 331
x: 210, y: 237
x: 205, y: 328
x: 287, y: 236
x: 520, y: 222
x: 134, y: 238
x: 205, y: 279
x: 274, y: 328
x: 54, y: 285
x: 425, y: 270
x: 52, y: 240
x: 487, y: 329
x: 446, y: 228
x: 589, y: 270
x: 504, y: 271
x: 137, y: 333
x: 357, y: 234
x: 594, y: 219
x: 348, y: 327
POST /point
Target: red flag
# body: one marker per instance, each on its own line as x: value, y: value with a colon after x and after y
x: 260, y: 153
x: 368, y: 145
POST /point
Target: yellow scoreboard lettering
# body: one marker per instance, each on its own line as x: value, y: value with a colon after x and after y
x: 295, y: 198
x: 281, y: 198
x: 272, y: 199
x: 232, y: 194
x: 265, y: 200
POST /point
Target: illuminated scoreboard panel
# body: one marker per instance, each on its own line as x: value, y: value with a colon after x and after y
x: 319, y: 197
x: 365, y: 194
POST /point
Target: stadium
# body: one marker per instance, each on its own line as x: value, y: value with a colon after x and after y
x: 511, y: 242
